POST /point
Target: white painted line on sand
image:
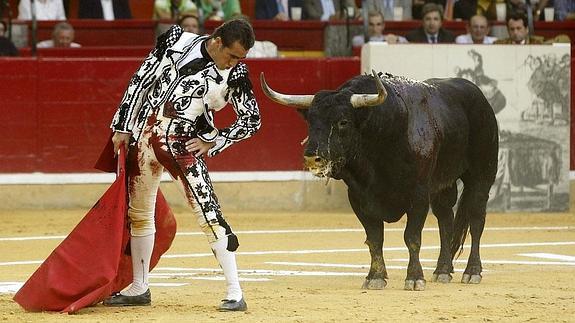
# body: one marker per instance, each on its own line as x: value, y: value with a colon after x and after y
x: 252, y: 272
x: 312, y: 264
x: 323, y: 251
x: 10, y: 287
x: 320, y: 251
x: 168, y: 284
x: 298, y: 231
x: 18, y: 263
x: 548, y: 256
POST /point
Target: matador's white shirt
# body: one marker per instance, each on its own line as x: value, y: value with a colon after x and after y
x: 180, y: 81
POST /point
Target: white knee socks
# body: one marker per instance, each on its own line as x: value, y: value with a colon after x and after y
x: 227, y: 260
x: 141, y: 249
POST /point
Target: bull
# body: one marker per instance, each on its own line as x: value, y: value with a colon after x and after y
x: 400, y: 146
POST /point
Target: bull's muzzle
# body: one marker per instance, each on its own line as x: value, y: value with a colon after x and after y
x: 317, y: 165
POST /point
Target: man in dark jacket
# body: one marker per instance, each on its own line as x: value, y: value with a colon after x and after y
x: 104, y: 9
x: 276, y: 9
x: 7, y: 47
x: 431, y: 30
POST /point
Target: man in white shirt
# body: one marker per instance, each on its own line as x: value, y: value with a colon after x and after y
x: 376, y: 27
x: 391, y: 9
x: 477, y: 31
x: 45, y: 10
x: 62, y: 37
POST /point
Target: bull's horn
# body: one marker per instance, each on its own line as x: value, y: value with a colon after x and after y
x: 297, y: 101
x: 370, y: 100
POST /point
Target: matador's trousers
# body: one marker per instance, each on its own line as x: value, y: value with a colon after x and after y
x: 162, y: 146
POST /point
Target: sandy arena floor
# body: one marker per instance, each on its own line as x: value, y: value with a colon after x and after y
x: 309, y: 267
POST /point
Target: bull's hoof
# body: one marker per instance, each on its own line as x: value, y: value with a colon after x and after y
x: 471, y: 279
x: 417, y: 285
x: 441, y: 278
x: 377, y: 283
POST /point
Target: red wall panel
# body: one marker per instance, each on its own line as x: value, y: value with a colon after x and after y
x: 56, y: 112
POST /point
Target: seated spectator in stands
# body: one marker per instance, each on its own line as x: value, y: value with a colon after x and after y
x: 376, y: 25
x: 461, y: 9
x: 62, y: 37
x: 516, y: 6
x: 387, y: 8
x: 518, y: 31
x: 173, y: 9
x: 326, y: 9
x: 564, y: 9
x: 190, y: 24
x: 276, y: 9
x: 464, y: 9
x: 7, y: 47
x: 431, y: 30
x: 104, y: 9
x: 477, y: 32
x: 45, y: 10
x: 220, y: 9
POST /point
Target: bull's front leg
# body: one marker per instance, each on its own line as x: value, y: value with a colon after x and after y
x: 412, y: 236
x: 376, y: 278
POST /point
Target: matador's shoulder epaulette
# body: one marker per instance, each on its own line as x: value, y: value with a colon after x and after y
x: 167, y: 40
x: 239, y: 78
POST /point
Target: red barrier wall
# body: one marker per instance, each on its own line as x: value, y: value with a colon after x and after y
x: 55, y: 112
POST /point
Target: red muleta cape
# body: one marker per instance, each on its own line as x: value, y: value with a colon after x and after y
x: 94, y: 261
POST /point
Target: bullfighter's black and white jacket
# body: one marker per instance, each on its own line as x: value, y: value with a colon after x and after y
x: 179, y: 80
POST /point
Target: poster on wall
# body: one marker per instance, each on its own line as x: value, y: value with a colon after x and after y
x: 528, y: 88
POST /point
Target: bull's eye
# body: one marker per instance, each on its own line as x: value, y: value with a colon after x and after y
x: 342, y: 124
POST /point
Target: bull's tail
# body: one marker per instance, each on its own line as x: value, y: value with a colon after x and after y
x: 460, y: 228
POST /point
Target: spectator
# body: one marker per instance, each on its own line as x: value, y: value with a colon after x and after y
x: 387, y: 7
x: 190, y: 24
x: 431, y: 30
x: 453, y: 9
x: 518, y: 31
x: 326, y: 9
x: 564, y: 9
x: 62, y: 37
x: 7, y: 47
x: 104, y: 9
x: 220, y: 9
x: 477, y: 32
x: 515, y: 6
x: 45, y: 10
x: 376, y: 27
x: 464, y: 9
x: 276, y: 9
x: 173, y: 9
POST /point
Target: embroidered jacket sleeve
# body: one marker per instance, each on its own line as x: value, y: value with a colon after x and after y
x: 241, y: 96
x: 142, y: 81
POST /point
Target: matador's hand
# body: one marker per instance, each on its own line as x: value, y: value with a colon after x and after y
x: 198, y: 146
x: 120, y: 138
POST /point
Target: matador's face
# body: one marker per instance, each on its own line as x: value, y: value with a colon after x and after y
x: 228, y: 57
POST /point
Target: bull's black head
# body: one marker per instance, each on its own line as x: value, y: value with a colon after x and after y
x: 333, y: 127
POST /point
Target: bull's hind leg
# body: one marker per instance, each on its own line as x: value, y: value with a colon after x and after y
x: 442, y: 205
x: 474, y: 201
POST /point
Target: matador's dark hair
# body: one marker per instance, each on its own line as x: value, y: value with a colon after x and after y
x: 234, y: 30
